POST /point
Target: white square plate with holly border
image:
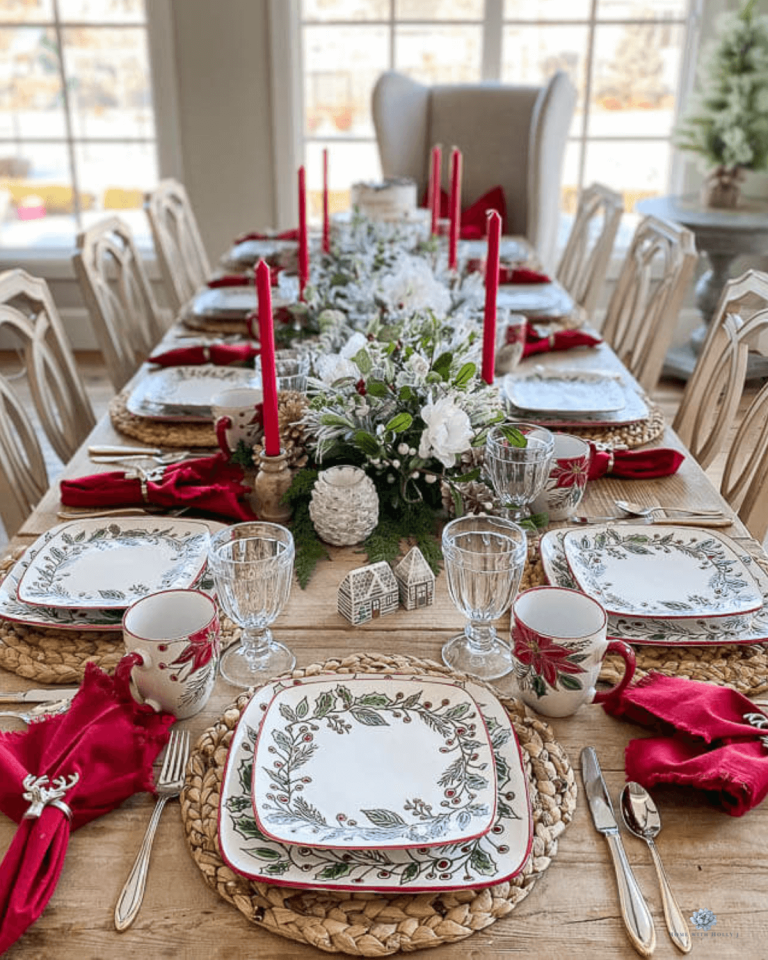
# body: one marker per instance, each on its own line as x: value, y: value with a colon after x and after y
x: 492, y: 858
x: 376, y: 761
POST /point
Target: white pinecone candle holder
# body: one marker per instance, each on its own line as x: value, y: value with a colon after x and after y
x: 345, y: 506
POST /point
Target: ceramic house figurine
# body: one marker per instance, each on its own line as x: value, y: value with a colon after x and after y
x: 367, y: 593
x: 415, y: 580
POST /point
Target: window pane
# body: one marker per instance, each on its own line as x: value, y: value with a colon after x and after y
x: 640, y: 9
x: 100, y: 11
x: 25, y: 10
x: 341, y: 65
x: 635, y: 169
x: 348, y: 163
x: 439, y: 54
x: 635, y: 76
x: 115, y: 177
x: 30, y: 87
x: 36, y: 195
x: 108, y: 75
x: 439, y: 9
x: 345, y: 9
x: 570, y: 189
x: 530, y: 55
x: 546, y: 9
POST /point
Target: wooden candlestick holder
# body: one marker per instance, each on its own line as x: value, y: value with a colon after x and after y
x: 272, y: 481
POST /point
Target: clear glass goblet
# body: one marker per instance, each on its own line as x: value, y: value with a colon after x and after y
x: 484, y: 560
x: 252, y: 566
x: 518, y: 473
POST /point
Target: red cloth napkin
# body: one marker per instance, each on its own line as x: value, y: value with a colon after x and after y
x: 243, y: 279
x: 562, y: 340
x: 634, y: 464
x: 473, y: 224
x: 521, y: 275
x: 220, y: 354
x: 212, y: 484
x: 705, y: 740
x: 255, y: 235
x: 110, y: 742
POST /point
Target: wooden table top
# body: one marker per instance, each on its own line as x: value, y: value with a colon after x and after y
x: 713, y: 861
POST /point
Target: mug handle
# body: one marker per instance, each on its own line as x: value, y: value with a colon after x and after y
x: 627, y: 654
x: 222, y: 425
x: 124, y: 669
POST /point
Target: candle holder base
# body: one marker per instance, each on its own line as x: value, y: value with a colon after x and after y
x: 272, y: 481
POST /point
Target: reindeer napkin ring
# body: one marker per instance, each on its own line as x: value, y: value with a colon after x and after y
x: 39, y: 794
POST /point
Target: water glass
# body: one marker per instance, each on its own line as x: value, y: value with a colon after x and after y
x: 252, y: 566
x: 518, y: 473
x: 484, y: 561
x: 291, y: 369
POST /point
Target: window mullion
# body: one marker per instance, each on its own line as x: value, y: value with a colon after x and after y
x: 587, y: 94
x: 492, y: 39
x: 67, y: 116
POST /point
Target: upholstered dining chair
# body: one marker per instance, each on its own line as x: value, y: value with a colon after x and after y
x: 27, y: 311
x: 510, y: 136
x: 714, y: 393
x: 645, y: 304
x: 587, y: 253
x: 126, y: 319
x: 180, y: 252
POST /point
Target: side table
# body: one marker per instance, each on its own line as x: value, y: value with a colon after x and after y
x: 723, y: 235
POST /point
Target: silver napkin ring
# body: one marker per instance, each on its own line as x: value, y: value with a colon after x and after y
x: 39, y: 794
x: 760, y: 722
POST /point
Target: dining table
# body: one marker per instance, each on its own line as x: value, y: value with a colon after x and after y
x: 714, y: 862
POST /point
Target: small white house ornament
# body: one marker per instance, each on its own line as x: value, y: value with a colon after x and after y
x: 415, y: 580
x: 345, y: 506
x: 368, y: 592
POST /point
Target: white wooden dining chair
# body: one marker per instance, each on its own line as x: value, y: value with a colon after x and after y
x: 587, y: 253
x: 643, y: 311
x: 126, y: 319
x: 28, y: 313
x: 180, y: 252
x: 714, y: 393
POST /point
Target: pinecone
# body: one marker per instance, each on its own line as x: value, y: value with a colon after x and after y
x: 291, y: 407
x: 476, y: 497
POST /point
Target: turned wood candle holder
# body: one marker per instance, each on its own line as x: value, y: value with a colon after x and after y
x: 272, y: 481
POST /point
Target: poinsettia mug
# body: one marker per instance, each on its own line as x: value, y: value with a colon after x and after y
x: 559, y: 643
x: 173, y: 643
x: 567, y: 478
x: 237, y: 416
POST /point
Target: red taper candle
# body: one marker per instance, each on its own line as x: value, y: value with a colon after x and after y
x: 303, y: 246
x: 491, y: 292
x: 268, y: 373
x: 326, y: 224
x: 435, y: 176
x: 453, y: 235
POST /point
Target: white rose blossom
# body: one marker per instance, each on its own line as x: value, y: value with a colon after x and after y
x: 448, y: 431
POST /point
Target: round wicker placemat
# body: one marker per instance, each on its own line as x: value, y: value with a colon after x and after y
x: 158, y: 432
x: 375, y: 924
x: 632, y: 434
x: 48, y: 655
x: 210, y: 325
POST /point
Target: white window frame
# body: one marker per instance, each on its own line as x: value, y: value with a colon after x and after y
x: 53, y: 262
x: 287, y: 81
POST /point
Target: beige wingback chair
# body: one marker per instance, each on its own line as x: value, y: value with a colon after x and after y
x: 509, y: 136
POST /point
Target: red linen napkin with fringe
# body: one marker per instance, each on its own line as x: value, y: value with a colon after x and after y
x: 103, y: 747
x: 219, y: 354
x: 256, y: 235
x: 473, y: 225
x: 561, y: 340
x: 705, y: 739
x: 634, y: 464
x: 243, y: 279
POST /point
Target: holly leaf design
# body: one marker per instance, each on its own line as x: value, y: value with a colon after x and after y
x: 333, y: 871
x: 410, y: 872
x: 481, y: 863
x: 569, y: 683
x: 302, y: 708
x: 368, y: 718
x: 323, y: 705
x: 384, y: 818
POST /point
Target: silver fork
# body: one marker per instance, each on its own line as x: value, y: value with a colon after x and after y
x: 169, y: 785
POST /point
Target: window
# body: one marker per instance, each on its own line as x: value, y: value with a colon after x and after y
x: 625, y: 58
x: 77, y: 125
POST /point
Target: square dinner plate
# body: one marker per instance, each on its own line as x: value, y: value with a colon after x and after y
x: 495, y: 857
x: 374, y: 762
x: 110, y: 563
x: 566, y: 392
x: 185, y: 393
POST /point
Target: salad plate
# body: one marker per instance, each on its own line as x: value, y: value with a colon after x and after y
x: 566, y: 392
x: 664, y: 631
x: 635, y: 410
x: 109, y: 564
x: 495, y: 857
x: 224, y: 303
x: 374, y: 762
x: 549, y: 299
x: 184, y: 393
x: 670, y: 572
x: 248, y: 252
x: 510, y: 250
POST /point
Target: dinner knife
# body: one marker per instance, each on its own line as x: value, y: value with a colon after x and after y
x: 112, y: 450
x: 704, y: 521
x: 634, y: 910
x: 39, y: 696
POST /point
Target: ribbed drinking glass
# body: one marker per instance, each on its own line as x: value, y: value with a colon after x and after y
x: 518, y: 473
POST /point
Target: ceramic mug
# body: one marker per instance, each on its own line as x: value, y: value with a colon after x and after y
x: 567, y: 478
x: 237, y: 416
x: 559, y: 643
x: 173, y: 642
x: 511, y: 330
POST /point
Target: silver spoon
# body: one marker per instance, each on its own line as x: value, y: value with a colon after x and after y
x: 638, y: 510
x: 642, y: 818
x: 49, y: 708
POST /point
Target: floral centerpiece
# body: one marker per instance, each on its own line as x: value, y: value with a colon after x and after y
x: 729, y: 125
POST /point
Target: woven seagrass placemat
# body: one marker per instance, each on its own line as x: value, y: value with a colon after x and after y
x: 631, y: 435
x: 158, y: 432
x: 222, y: 327
x: 376, y: 924
x: 48, y: 655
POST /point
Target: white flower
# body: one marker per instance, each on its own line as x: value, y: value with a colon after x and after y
x: 333, y: 366
x: 354, y: 345
x: 448, y: 431
x: 412, y: 286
